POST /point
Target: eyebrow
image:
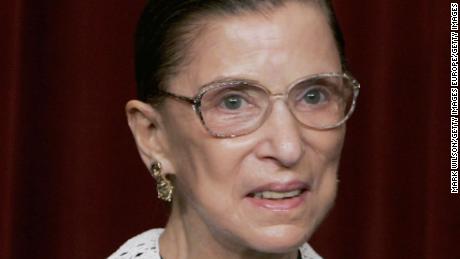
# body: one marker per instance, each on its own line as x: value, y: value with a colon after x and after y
x: 230, y: 79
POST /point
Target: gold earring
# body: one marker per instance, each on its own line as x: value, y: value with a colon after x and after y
x: 164, y: 186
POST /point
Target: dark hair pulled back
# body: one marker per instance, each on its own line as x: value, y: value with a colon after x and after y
x: 167, y: 28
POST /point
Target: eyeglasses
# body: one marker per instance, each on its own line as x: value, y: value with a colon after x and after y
x: 230, y: 108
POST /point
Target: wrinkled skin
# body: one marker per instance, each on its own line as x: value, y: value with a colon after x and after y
x: 211, y: 214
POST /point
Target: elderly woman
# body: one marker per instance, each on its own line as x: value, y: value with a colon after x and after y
x: 241, y: 120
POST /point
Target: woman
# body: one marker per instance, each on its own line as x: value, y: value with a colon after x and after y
x: 241, y: 122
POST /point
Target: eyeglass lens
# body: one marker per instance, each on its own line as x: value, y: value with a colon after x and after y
x: 237, y: 108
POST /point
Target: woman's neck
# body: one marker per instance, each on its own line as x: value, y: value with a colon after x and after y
x: 186, y: 236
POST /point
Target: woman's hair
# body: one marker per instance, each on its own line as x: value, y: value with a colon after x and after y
x: 168, y: 28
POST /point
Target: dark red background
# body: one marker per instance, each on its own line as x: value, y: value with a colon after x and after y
x: 71, y: 182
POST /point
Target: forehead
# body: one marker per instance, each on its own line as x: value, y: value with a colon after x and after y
x: 274, y: 49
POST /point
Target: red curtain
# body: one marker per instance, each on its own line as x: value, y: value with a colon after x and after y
x: 71, y: 182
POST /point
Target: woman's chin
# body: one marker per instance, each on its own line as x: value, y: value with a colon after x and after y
x: 279, y: 239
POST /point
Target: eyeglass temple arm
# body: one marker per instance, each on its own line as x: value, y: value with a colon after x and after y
x: 178, y: 97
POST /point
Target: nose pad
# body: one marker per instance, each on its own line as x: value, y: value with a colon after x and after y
x: 282, y: 138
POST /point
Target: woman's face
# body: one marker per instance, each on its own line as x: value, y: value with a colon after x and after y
x: 217, y: 178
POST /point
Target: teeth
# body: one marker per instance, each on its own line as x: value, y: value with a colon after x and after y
x: 276, y: 195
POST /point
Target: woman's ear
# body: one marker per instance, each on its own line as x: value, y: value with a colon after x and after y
x: 146, y: 126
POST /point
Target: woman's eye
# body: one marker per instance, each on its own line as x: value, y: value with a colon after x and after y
x: 314, y: 96
x: 233, y: 102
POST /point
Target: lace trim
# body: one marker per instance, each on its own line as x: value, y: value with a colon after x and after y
x: 146, y: 246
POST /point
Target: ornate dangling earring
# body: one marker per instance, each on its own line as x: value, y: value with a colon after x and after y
x: 164, y: 186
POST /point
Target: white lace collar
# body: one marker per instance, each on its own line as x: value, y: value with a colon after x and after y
x: 146, y: 246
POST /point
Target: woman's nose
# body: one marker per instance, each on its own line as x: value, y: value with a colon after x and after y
x: 282, y: 139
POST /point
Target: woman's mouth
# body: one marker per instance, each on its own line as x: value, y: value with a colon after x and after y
x: 279, y: 197
x: 275, y: 195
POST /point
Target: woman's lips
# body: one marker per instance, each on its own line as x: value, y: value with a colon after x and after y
x: 279, y: 204
x: 279, y: 196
